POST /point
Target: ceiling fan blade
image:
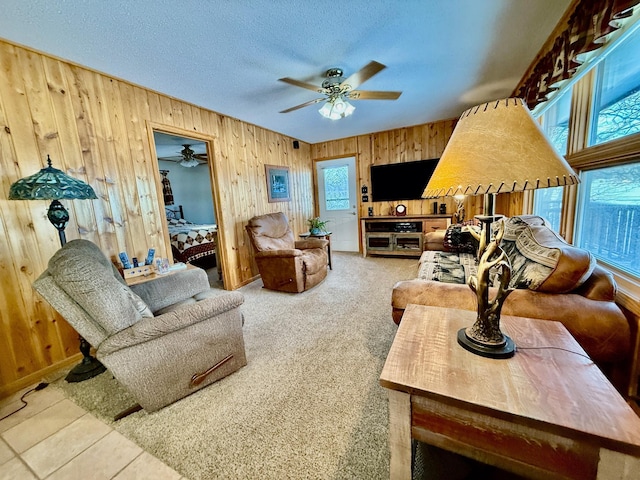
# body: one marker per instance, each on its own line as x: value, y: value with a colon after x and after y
x: 298, y: 83
x: 365, y: 73
x: 180, y: 158
x: 306, y: 104
x: 373, y: 95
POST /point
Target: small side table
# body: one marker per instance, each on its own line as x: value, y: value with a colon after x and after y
x: 327, y: 236
x: 154, y: 275
x: 548, y: 412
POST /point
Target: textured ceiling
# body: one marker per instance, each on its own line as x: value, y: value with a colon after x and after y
x: 227, y: 56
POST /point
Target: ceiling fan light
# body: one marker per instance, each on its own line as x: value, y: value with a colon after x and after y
x: 337, y: 90
x: 339, y: 106
x: 325, y: 110
x: 188, y: 160
x: 334, y: 114
x: 336, y: 109
x: 191, y: 162
x: 348, y: 110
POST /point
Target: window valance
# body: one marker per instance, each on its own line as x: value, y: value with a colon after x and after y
x: 586, y: 26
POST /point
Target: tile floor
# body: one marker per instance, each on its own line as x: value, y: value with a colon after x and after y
x: 54, y: 439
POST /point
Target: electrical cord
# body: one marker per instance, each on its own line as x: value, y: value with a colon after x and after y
x: 38, y: 387
x: 554, y: 348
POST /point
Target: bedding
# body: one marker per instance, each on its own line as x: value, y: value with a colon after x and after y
x: 192, y: 241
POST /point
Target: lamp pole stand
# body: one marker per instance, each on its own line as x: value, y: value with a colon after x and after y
x: 58, y: 216
x: 90, y: 366
x: 484, y: 337
x: 52, y: 184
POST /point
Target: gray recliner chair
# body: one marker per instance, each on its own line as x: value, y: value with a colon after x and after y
x: 163, y: 339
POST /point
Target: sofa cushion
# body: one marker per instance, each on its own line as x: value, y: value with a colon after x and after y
x: 448, y: 267
x: 540, y: 259
x: 204, y: 295
x: 434, y: 240
x: 175, y: 306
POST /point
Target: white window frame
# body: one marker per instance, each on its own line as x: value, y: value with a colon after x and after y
x: 581, y: 156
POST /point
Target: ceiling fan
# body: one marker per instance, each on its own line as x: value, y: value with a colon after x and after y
x: 338, y: 91
x: 187, y: 158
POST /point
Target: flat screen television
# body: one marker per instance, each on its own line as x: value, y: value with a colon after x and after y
x: 401, y: 181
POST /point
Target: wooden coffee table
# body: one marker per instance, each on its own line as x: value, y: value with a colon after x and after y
x: 545, y: 413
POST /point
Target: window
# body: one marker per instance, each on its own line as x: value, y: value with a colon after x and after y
x: 608, y: 204
x: 547, y: 202
x: 617, y: 93
x: 609, y: 215
x: 336, y: 188
x: 555, y: 121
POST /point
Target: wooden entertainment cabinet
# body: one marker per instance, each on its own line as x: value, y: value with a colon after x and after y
x: 389, y: 235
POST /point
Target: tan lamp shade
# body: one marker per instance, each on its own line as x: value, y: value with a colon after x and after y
x: 498, y: 147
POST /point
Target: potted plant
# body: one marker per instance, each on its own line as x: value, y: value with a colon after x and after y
x: 317, y: 226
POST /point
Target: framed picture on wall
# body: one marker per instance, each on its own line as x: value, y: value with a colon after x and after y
x: 278, y: 188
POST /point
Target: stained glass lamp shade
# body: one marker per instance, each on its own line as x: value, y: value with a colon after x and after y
x: 52, y: 184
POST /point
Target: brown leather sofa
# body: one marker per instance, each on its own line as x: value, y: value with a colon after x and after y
x: 284, y: 263
x: 576, y: 292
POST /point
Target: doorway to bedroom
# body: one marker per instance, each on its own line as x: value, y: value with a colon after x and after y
x: 189, y: 202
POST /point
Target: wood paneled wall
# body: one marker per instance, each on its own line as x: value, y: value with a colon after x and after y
x: 405, y: 145
x: 98, y: 128
x: 392, y: 146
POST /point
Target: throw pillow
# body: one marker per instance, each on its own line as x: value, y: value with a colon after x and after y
x: 531, y: 264
x: 525, y: 273
x: 458, y: 239
x: 540, y: 259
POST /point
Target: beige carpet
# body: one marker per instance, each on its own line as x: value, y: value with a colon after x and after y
x: 307, y: 406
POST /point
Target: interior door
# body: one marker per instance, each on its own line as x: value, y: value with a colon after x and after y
x: 338, y: 202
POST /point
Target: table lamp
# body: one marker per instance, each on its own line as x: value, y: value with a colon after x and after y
x: 53, y: 184
x: 496, y: 147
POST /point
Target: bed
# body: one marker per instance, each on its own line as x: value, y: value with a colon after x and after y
x: 191, y: 242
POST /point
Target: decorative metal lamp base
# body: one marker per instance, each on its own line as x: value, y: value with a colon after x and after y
x: 88, y: 368
x: 504, y: 350
x: 484, y: 337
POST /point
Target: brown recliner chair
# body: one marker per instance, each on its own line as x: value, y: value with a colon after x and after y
x: 284, y: 263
